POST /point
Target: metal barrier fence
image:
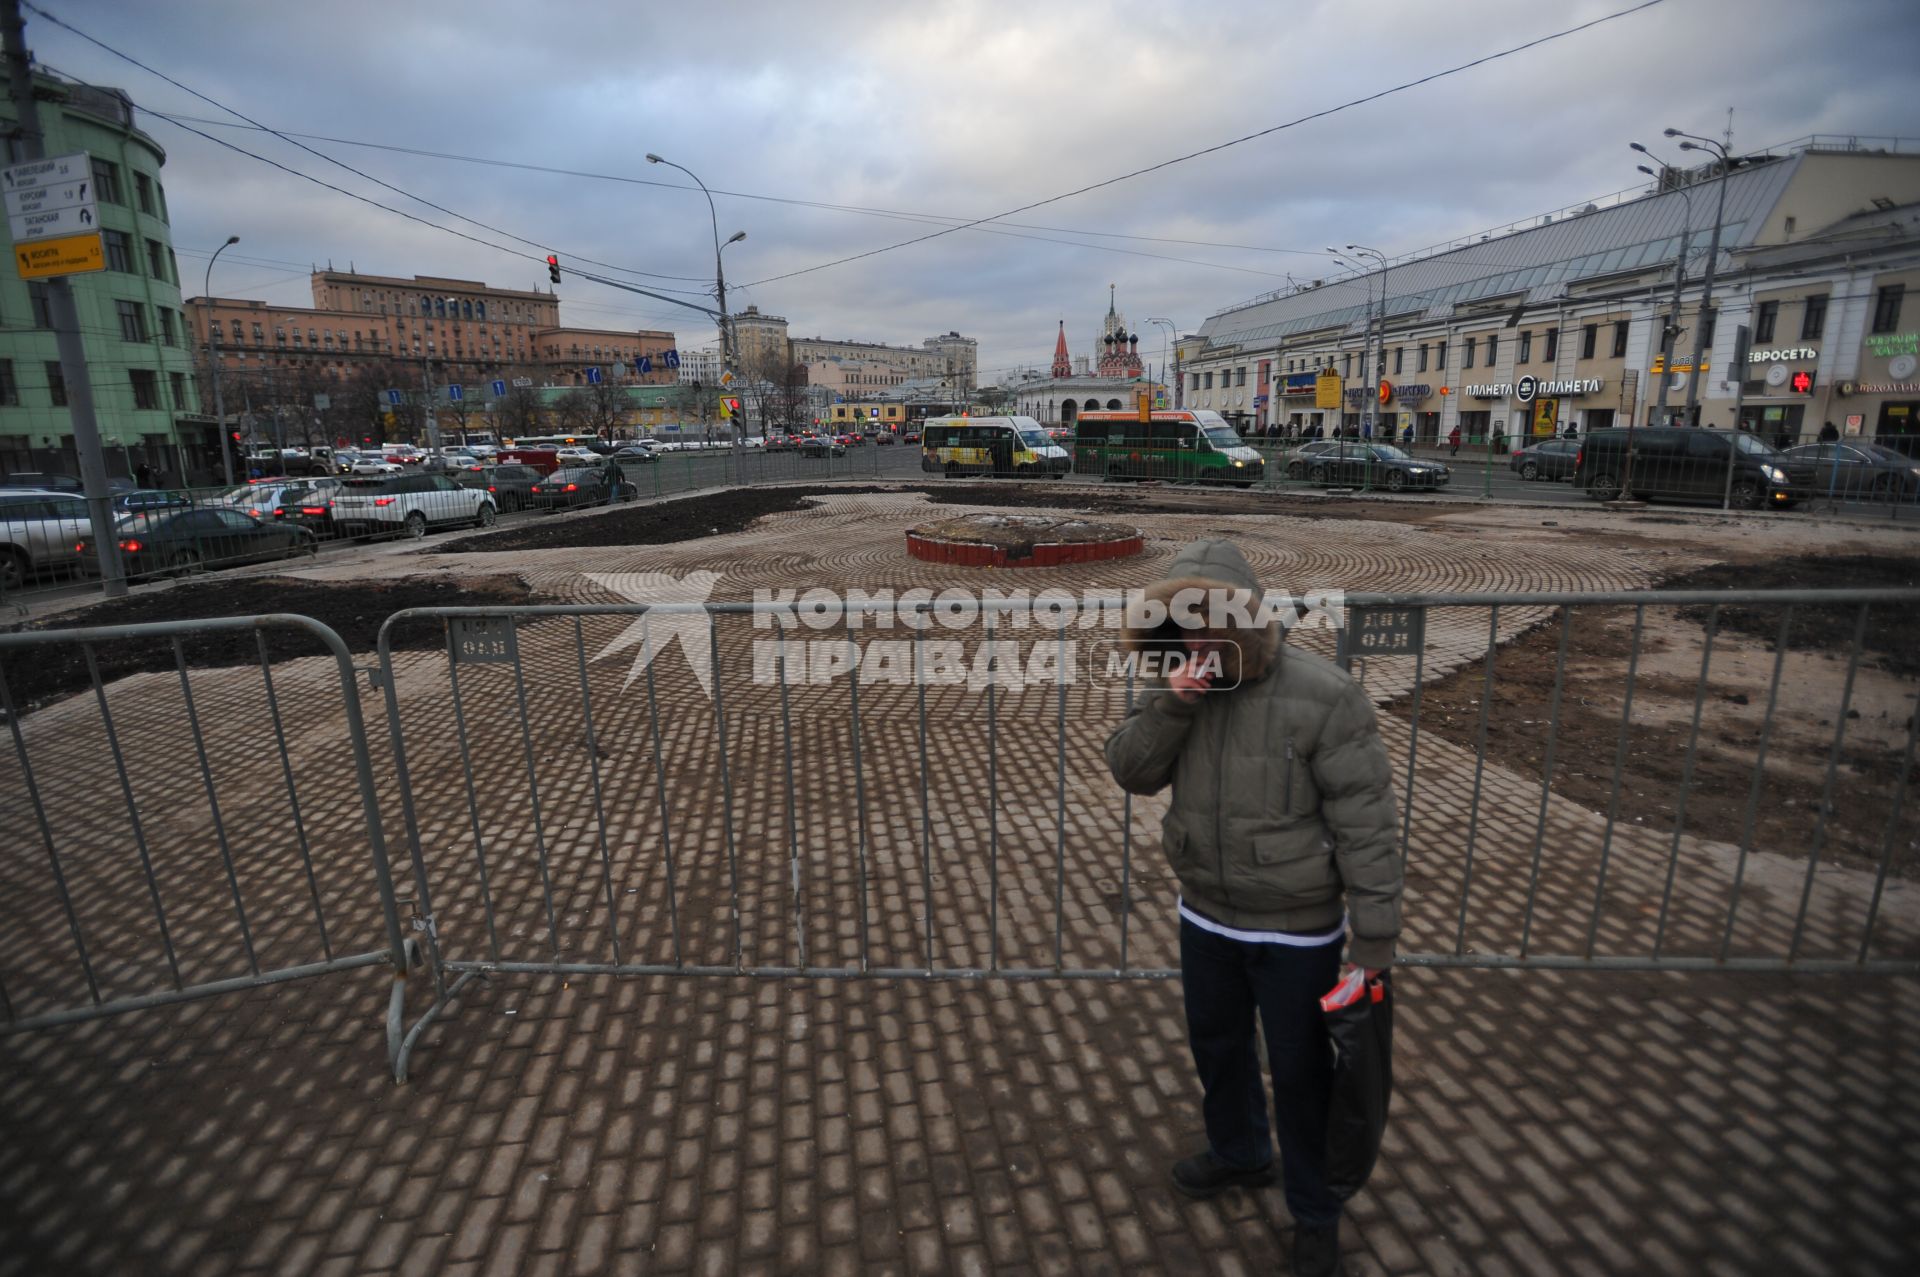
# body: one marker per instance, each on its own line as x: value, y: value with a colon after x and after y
x: 1704, y: 781
x: 46, y: 538
x: 197, y: 833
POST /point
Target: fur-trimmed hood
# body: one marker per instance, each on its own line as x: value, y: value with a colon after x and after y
x: 1211, y: 571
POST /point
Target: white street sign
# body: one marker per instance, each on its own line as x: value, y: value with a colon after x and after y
x: 523, y: 382
x: 51, y: 198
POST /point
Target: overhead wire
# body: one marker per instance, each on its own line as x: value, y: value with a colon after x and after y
x: 1222, y: 146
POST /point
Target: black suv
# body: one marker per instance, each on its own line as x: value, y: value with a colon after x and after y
x: 1686, y: 464
x: 511, y: 485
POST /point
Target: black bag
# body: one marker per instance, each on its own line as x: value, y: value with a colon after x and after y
x: 1360, y: 1027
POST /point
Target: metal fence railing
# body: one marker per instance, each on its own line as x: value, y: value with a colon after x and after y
x: 1691, y: 785
x: 185, y: 832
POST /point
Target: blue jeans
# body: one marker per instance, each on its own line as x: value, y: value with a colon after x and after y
x: 1226, y: 982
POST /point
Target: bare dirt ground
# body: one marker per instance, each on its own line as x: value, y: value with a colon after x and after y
x: 1731, y: 794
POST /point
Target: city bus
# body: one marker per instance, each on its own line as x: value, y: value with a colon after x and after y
x: 1181, y: 444
x: 990, y: 445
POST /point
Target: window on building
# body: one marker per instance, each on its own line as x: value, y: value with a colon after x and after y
x: 1589, y: 340
x: 166, y: 327
x: 1348, y: 365
x: 133, y: 321
x: 1620, y: 339
x: 156, y: 260
x: 56, y: 383
x: 40, y: 300
x: 160, y: 193
x: 1466, y: 358
x: 1525, y: 354
x: 1440, y: 354
x: 1209, y: 382
x: 1764, y: 320
x: 1553, y: 345
x: 259, y: 334
x: 1813, y: 323
x: 143, y: 192
x: 146, y: 387
x: 1196, y: 381
x: 106, y: 181
x: 179, y: 380
x: 119, y: 251
x: 1706, y: 326
x: 1493, y: 349
x: 1399, y: 358
x: 1886, y: 307
x: 279, y: 335
x: 9, y: 389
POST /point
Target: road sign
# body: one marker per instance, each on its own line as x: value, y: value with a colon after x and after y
x: 394, y: 397
x: 523, y: 382
x: 671, y: 359
x: 593, y: 376
x: 74, y: 255
x: 499, y: 388
x: 51, y: 198
x: 321, y: 403
x: 643, y: 365
x: 456, y: 393
x: 726, y: 379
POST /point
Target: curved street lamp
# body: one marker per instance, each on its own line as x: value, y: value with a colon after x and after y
x: 213, y: 361
x: 719, y: 271
x: 1691, y: 142
x: 1172, y: 340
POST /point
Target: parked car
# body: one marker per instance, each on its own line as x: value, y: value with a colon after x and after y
x: 1686, y: 464
x: 1351, y: 463
x: 186, y: 541
x: 150, y: 499
x: 641, y: 453
x: 815, y: 446
x: 309, y: 503
x: 371, y: 465
x: 1548, y: 459
x: 409, y: 503
x: 1859, y: 471
x: 581, y: 485
x: 1299, y: 461
x: 511, y: 487
x: 39, y: 532
x: 575, y: 456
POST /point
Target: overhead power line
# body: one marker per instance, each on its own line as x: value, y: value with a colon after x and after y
x: 1222, y: 146
x: 318, y: 154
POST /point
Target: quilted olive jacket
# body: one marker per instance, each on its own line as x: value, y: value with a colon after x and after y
x: 1283, y: 813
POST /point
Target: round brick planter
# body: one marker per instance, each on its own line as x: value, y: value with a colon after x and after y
x: 1016, y: 541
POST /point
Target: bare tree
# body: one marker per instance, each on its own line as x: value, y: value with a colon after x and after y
x: 571, y: 413
x: 606, y: 407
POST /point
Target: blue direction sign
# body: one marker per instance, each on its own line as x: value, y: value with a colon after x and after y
x: 671, y: 359
x: 593, y: 376
x: 394, y: 397
x: 456, y: 393
x: 499, y: 389
x: 643, y: 365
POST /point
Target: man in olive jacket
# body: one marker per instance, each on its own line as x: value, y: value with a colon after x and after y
x: 1282, y: 831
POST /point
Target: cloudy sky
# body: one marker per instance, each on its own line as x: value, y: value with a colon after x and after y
x: 835, y: 129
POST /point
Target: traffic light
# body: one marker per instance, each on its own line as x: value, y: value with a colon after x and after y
x: 553, y: 268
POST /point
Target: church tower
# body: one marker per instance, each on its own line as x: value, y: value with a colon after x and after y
x: 1120, y: 349
x: 1062, y: 362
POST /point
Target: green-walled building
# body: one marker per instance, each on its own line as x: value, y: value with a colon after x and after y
x: 138, y: 341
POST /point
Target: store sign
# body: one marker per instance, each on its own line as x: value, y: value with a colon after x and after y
x: 1886, y: 345
x: 1412, y: 392
x: 1326, y: 390
x: 1527, y: 389
x: 1296, y: 384
x: 1782, y: 356
x: 1877, y: 388
x: 1484, y: 390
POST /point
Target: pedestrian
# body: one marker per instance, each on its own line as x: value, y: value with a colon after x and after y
x: 1282, y: 833
x: 1453, y: 441
x: 1829, y: 433
x: 143, y: 475
x: 1573, y: 430
x: 1406, y: 436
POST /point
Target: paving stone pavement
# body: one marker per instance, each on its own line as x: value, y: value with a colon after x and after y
x: 1543, y: 1122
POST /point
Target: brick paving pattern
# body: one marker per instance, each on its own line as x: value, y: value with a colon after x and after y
x: 1543, y: 1122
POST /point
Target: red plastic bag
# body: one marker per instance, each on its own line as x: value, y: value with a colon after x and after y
x: 1360, y: 1026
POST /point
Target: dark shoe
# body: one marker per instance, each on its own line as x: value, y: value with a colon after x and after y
x: 1203, y: 1175
x: 1316, y: 1250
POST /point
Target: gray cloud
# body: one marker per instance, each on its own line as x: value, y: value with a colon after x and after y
x: 962, y: 110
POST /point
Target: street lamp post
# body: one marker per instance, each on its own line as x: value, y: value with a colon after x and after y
x: 727, y: 354
x: 1170, y: 342
x: 1380, y: 338
x: 1692, y: 143
x: 1671, y: 328
x: 213, y: 358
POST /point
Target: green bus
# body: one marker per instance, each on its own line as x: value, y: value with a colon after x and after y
x: 990, y: 445
x: 1179, y: 444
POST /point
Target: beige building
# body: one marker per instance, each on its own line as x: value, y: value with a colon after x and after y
x: 467, y: 331
x: 1557, y: 323
x: 856, y: 367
